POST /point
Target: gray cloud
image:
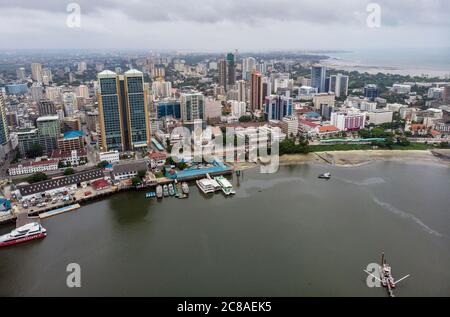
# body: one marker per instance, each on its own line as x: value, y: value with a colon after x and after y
x: 214, y: 24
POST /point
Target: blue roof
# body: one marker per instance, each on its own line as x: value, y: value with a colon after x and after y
x: 5, y: 204
x: 73, y: 134
x: 312, y: 114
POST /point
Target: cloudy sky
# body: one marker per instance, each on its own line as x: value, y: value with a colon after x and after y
x: 217, y: 25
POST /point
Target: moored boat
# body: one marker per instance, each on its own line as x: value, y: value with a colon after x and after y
x: 171, y: 190
x: 28, y: 232
x: 165, y: 191
x: 206, y: 185
x: 226, y: 186
x: 185, y: 188
x: 159, y: 191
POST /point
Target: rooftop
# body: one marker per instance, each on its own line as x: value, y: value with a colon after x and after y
x: 77, y: 178
x: 73, y: 134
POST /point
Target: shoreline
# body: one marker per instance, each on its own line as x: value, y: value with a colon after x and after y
x: 355, y: 158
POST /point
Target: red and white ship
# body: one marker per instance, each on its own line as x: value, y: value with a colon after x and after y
x: 28, y: 232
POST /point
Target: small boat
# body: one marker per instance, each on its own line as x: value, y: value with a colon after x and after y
x: 165, y: 191
x: 150, y: 195
x: 171, y: 190
x: 159, y: 191
x: 185, y: 188
x: 325, y: 176
x: 25, y: 233
x: 227, y: 188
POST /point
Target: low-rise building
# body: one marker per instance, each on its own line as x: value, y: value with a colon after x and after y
x: 70, y: 158
x: 33, y: 167
x: 128, y: 170
x: 348, y: 121
x: 289, y: 125
x: 110, y: 157
x: 379, y: 117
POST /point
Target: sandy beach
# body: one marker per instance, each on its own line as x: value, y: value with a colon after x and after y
x: 358, y: 158
x: 361, y: 157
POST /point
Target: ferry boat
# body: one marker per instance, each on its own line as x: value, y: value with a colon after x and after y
x: 28, y: 232
x: 159, y: 191
x: 165, y: 191
x: 325, y: 176
x: 171, y: 190
x: 207, y: 185
x: 185, y: 188
x: 226, y: 186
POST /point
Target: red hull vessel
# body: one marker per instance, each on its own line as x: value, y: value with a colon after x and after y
x: 23, y: 239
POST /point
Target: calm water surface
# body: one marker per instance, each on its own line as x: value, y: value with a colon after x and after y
x: 286, y: 234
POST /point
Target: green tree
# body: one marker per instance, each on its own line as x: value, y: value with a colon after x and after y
x: 103, y: 164
x: 136, y: 181
x: 69, y: 171
x: 141, y: 174
x: 36, y: 150
x: 37, y: 177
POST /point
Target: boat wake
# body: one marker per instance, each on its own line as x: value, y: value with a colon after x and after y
x: 406, y: 215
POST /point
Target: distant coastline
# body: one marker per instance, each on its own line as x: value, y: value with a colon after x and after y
x: 402, y: 62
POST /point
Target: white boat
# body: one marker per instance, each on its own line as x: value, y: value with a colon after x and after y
x: 171, y: 190
x: 207, y: 185
x: 28, y: 232
x: 185, y: 188
x: 226, y: 186
x: 159, y: 191
x: 165, y: 191
x: 325, y: 176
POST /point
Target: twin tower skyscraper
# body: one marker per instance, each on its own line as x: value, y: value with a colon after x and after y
x: 123, y: 111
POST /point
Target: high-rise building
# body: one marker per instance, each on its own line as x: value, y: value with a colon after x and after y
x: 446, y: 93
x: 123, y: 112
x: 162, y: 89
x: 192, y: 107
x: 36, y: 72
x: 37, y: 92
x: 136, y: 100
x: 48, y: 131
x: 223, y: 73
x: 3, y: 124
x: 82, y: 91
x: 242, y: 93
x: 82, y: 66
x: 47, y: 76
x: 256, y: 91
x: 231, y: 63
x: 318, y: 76
x: 20, y: 73
x: 277, y: 107
x: 69, y: 103
x: 248, y: 66
x: 371, y: 91
x: 46, y: 107
x: 339, y: 85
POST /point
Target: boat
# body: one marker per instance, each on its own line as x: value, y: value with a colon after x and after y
x: 226, y: 186
x: 185, y: 188
x: 171, y: 190
x: 159, y: 191
x: 325, y: 176
x: 150, y: 195
x: 207, y: 185
x: 28, y: 232
x: 165, y: 191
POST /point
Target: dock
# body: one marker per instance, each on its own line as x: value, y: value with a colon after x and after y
x: 58, y: 211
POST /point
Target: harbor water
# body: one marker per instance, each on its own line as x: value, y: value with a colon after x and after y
x: 283, y: 234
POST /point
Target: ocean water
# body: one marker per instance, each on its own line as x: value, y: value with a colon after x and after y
x: 283, y: 234
x: 417, y: 61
